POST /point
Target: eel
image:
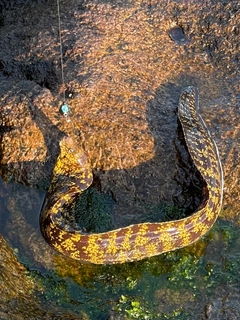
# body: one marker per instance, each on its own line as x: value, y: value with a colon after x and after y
x: 72, y: 175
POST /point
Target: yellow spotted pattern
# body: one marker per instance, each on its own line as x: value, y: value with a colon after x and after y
x: 72, y: 175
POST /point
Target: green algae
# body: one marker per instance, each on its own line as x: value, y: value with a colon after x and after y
x: 93, y: 211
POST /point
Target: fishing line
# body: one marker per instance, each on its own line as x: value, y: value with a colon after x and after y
x: 64, y: 109
x: 60, y: 47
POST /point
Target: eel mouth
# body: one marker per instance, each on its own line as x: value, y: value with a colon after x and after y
x: 72, y: 157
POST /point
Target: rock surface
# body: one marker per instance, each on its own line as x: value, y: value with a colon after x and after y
x: 125, y: 75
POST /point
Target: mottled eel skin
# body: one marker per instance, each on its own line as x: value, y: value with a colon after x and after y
x: 72, y: 174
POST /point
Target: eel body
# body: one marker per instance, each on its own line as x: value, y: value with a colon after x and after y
x: 72, y: 175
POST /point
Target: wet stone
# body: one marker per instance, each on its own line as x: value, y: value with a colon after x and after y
x: 177, y: 35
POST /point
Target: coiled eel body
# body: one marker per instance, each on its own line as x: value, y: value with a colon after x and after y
x: 72, y: 175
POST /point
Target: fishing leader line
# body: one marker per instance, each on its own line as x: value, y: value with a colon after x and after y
x: 64, y: 109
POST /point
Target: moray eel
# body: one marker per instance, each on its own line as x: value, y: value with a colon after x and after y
x: 72, y: 175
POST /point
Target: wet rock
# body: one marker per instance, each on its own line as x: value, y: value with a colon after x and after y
x: 42, y: 72
x: 177, y: 35
x: 208, y: 310
x: 126, y: 82
x: 18, y: 297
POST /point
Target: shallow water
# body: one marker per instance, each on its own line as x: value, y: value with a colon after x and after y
x: 182, y: 285
x: 126, y: 74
